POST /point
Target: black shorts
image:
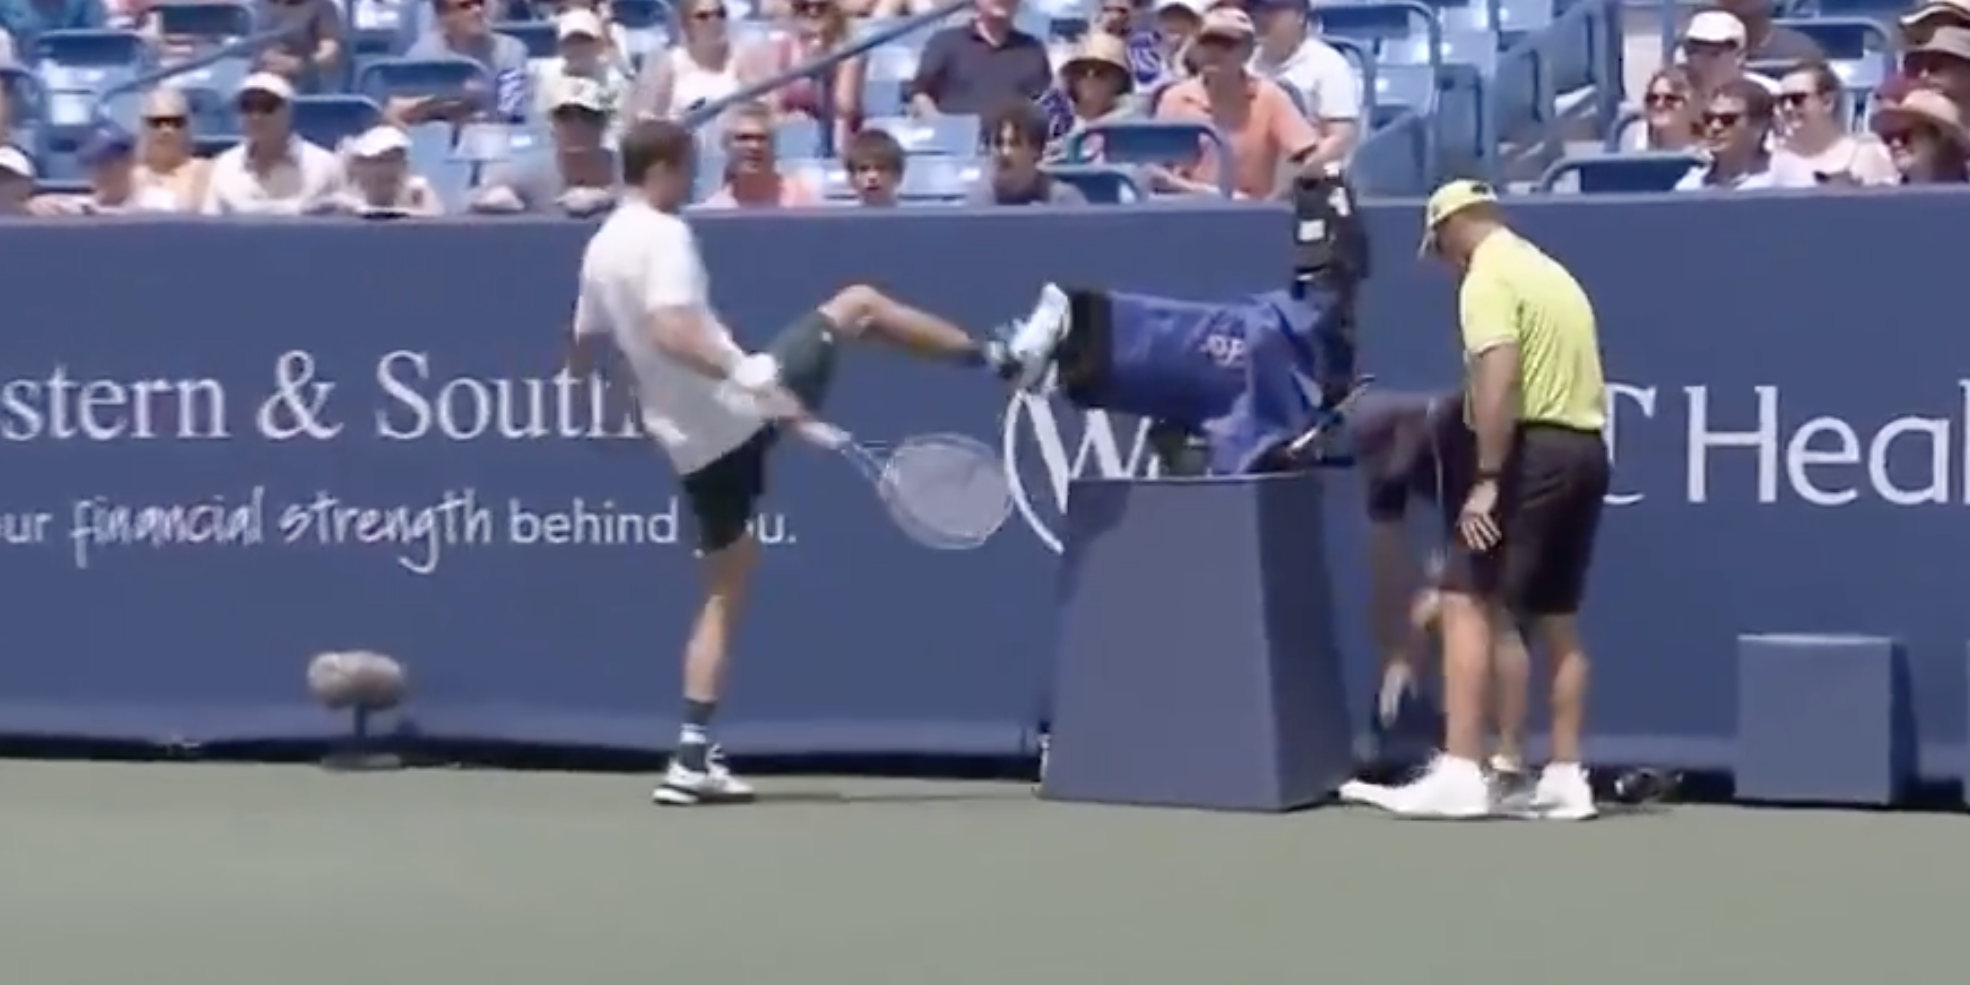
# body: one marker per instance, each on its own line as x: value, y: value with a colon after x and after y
x: 723, y: 496
x: 1550, y: 497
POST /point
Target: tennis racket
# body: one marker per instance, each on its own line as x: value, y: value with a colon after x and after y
x: 946, y: 491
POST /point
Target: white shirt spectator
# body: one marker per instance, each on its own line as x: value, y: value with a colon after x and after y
x: 644, y: 260
x: 1860, y: 157
x: 1320, y: 76
x: 304, y: 175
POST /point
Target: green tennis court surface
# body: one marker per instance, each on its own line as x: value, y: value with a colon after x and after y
x: 282, y: 875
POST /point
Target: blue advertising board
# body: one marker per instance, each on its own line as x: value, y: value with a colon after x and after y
x: 229, y: 447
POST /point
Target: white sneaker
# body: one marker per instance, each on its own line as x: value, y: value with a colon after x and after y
x: 1562, y: 794
x: 1035, y: 338
x: 1450, y: 789
x: 684, y: 787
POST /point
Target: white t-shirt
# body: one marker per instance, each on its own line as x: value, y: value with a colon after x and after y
x: 1321, y: 76
x: 642, y: 260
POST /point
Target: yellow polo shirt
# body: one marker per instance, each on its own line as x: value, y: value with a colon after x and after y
x: 1514, y: 293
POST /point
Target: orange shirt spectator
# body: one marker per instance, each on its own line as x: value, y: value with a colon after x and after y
x: 764, y: 191
x: 1265, y: 131
x: 752, y: 172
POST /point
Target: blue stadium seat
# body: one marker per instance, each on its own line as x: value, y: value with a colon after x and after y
x: 935, y: 135
x: 328, y: 120
x: 1520, y: 17
x: 74, y: 68
x: 1844, y: 38
x: 1100, y: 184
x: 890, y: 69
x: 382, y: 79
x: 541, y: 37
x: 486, y: 143
x: 797, y: 138
x: 1642, y: 171
x: 645, y: 26
x: 940, y: 179
x: 824, y: 175
x: 23, y: 93
x: 1881, y: 10
x: 209, y: 20
x: 1408, y: 87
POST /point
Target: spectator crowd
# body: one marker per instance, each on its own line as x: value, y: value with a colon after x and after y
x: 1761, y: 107
x: 1755, y: 102
x: 1255, y: 70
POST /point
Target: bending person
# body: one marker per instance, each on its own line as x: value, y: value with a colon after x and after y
x: 1410, y: 447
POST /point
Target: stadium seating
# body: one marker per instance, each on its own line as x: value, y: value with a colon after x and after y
x: 1493, y: 88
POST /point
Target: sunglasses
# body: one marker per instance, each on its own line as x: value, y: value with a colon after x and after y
x: 1722, y: 119
x: 712, y: 14
x: 165, y: 122
x: 461, y: 6
x: 1795, y: 99
x: 1900, y: 138
x: 260, y: 107
x: 1664, y: 100
x: 814, y: 8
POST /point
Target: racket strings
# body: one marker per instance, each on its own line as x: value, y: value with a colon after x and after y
x: 947, y: 492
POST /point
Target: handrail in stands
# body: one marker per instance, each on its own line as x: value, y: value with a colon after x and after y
x: 249, y: 45
x: 1078, y: 139
x: 1569, y: 165
x: 1535, y: 49
x: 860, y: 46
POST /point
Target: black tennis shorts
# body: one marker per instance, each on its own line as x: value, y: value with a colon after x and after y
x: 1550, y: 497
x: 723, y: 496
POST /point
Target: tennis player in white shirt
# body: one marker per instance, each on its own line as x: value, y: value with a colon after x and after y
x: 716, y: 410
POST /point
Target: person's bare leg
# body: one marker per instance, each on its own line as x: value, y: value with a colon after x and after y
x: 1560, y: 635
x: 1392, y: 577
x: 728, y: 574
x: 1467, y: 643
x: 862, y: 308
x: 1510, y: 681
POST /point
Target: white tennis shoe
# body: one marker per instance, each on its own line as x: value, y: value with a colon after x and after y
x: 1562, y: 794
x: 715, y: 784
x: 1450, y: 789
x: 1035, y: 338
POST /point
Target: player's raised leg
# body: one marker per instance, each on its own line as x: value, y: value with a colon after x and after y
x: 860, y: 310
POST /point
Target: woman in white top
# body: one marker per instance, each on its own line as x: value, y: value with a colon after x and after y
x: 702, y: 67
x: 1811, y: 130
x: 170, y: 178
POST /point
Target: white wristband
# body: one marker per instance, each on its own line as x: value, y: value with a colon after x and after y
x: 756, y: 371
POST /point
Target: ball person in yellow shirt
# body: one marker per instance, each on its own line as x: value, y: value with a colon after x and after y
x: 1527, y: 502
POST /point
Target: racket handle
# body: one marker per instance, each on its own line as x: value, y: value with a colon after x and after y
x: 822, y: 434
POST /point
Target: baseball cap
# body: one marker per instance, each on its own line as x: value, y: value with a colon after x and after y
x: 1716, y: 27
x: 579, y: 93
x: 269, y: 83
x: 105, y: 146
x: 1196, y: 7
x: 1226, y: 22
x: 15, y: 161
x: 1452, y: 198
x: 578, y: 23
x: 378, y: 141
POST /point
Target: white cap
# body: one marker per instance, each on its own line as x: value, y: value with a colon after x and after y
x: 378, y: 141
x: 1194, y: 6
x: 16, y: 162
x: 572, y: 90
x: 268, y: 83
x: 579, y: 23
x: 1716, y: 27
